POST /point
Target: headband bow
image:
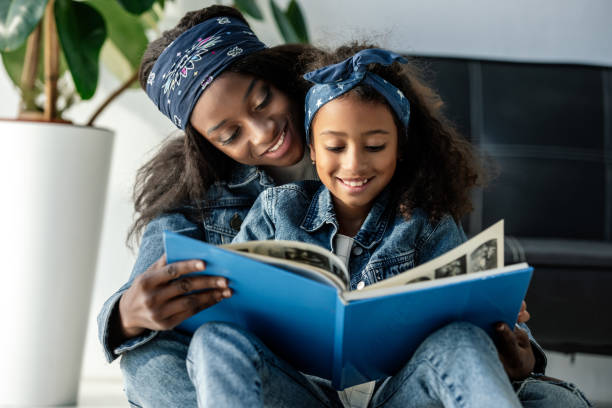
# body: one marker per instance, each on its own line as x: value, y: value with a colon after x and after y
x: 193, y: 60
x: 335, y: 80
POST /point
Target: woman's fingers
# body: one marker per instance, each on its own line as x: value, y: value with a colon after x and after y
x: 161, y: 272
x: 183, y: 307
x: 515, y: 351
x: 182, y: 286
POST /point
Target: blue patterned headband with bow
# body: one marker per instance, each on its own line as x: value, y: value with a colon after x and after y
x: 335, y: 80
x: 193, y: 60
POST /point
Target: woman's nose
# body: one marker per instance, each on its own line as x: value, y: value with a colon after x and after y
x: 262, y: 131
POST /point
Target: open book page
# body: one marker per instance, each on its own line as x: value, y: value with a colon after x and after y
x: 483, y: 252
x: 307, y: 260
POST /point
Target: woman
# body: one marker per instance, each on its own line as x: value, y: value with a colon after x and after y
x: 240, y: 106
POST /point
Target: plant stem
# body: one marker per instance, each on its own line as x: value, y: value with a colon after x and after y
x: 112, y: 96
x: 51, y: 62
x: 30, y: 69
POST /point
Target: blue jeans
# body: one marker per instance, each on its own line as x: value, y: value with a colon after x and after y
x: 457, y: 367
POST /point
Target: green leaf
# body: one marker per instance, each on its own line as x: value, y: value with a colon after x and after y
x: 283, y: 24
x: 18, y: 18
x: 296, y: 18
x: 81, y: 32
x: 135, y: 6
x: 13, y: 63
x: 126, y: 31
x: 250, y: 8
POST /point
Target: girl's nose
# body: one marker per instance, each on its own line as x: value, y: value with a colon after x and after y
x: 353, y: 160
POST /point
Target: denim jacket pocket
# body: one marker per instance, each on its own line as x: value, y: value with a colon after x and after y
x: 389, y: 266
x: 223, y: 218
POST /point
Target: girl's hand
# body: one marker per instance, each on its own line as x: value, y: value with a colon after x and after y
x: 157, y: 299
x: 515, y: 352
x: 523, y: 315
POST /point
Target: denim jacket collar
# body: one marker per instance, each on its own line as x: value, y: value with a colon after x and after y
x: 242, y: 175
x: 321, y: 212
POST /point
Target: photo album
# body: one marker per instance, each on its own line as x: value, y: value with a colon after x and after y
x: 297, y: 299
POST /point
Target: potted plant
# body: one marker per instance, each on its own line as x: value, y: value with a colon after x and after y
x: 55, y: 173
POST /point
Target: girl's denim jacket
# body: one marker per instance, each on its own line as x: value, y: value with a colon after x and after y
x: 386, y: 244
x: 227, y: 204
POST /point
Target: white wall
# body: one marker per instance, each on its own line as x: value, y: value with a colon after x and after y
x: 572, y: 31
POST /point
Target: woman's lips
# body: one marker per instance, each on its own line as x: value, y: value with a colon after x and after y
x: 282, y: 145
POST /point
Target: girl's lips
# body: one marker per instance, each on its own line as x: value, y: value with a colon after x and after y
x: 355, y: 185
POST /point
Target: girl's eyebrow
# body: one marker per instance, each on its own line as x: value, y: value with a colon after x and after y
x: 367, y: 133
x: 244, y: 98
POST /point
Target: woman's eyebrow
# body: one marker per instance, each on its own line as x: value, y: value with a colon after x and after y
x: 212, y: 129
x: 250, y: 88
x: 246, y: 95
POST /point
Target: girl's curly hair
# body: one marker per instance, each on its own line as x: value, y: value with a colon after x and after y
x: 437, y: 168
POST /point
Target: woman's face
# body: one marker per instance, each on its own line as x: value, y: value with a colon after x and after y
x: 250, y: 121
x: 354, y: 145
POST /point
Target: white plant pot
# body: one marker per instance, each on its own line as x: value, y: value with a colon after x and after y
x: 53, y: 180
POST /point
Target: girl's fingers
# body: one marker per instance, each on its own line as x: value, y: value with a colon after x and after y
x: 523, y: 315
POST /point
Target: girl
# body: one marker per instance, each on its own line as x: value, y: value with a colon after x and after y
x: 240, y: 106
x: 395, y: 182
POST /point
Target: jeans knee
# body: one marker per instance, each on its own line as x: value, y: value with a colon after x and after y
x: 459, y: 335
x: 215, y: 338
x: 151, y: 370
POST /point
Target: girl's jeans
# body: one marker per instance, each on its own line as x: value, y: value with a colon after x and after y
x: 457, y: 366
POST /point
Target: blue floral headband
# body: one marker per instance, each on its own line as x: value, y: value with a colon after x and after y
x: 335, y: 80
x: 193, y: 60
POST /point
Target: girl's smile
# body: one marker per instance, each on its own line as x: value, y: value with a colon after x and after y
x: 354, y: 146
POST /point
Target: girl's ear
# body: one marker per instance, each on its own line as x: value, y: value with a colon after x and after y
x: 313, y: 156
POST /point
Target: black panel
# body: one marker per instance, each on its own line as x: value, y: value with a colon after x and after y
x: 450, y: 78
x: 549, y: 105
x: 547, y: 198
x: 570, y: 309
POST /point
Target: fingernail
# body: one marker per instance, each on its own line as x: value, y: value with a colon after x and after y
x: 221, y: 283
x: 199, y: 265
x: 227, y: 293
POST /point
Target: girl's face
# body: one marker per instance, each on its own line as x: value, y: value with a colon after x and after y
x: 354, y: 146
x: 250, y: 121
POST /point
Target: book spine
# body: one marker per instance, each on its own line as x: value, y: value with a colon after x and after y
x: 338, y: 364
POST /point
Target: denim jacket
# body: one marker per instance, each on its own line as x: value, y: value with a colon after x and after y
x: 385, y: 245
x: 227, y: 204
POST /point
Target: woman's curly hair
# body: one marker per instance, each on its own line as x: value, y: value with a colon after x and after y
x: 437, y: 168
x: 177, y: 177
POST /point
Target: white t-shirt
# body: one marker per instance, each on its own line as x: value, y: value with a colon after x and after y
x: 302, y: 170
x: 357, y: 396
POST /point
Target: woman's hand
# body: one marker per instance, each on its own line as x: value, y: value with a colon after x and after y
x: 158, y: 299
x: 514, y: 348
